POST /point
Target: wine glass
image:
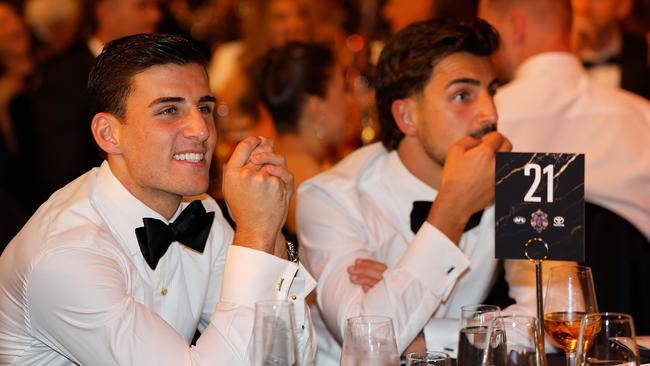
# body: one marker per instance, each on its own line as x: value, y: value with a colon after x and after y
x: 607, y: 339
x: 569, y: 297
x: 513, y: 341
x: 274, y: 334
x: 428, y: 358
x: 369, y: 341
x: 474, y: 323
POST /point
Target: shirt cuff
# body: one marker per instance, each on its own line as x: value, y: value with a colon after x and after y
x: 441, y: 335
x: 252, y: 275
x: 435, y: 260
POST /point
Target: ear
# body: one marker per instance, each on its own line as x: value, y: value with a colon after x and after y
x: 106, y: 131
x: 517, y: 21
x: 404, y: 114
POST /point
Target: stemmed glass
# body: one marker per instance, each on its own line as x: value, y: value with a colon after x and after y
x: 513, y: 342
x: 428, y: 358
x: 607, y: 339
x: 369, y: 341
x: 274, y: 334
x: 569, y: 297
x: 474, y: 323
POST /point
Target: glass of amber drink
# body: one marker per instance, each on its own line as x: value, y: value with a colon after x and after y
x: 569, y: 297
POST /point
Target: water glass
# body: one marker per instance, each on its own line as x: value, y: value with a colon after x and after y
x: 474, y: 323
x: 607, y: 339
x: 428, y: 358
x: 274, y: 334
x: 514, y: 341
x: 369, y: 341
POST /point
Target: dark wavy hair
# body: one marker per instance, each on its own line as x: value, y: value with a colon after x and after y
x: 109, y: 81
x: 407, y: 62
x: 288, y: 75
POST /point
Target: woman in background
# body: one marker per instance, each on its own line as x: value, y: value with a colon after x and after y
x: 302, y: 87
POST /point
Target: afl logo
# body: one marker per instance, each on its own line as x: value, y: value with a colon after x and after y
x: 519, y: 220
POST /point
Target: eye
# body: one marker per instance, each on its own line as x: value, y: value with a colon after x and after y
x: 169, y: 111
x: 462, y: 96
x: 206, y: 109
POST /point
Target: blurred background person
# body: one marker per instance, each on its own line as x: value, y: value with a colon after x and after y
x: 61, y: 124
x: 612, y: 55
x: 302, y: 87
x: 549, y: 104
x: 55, y: 25
x: 16, y: 66
x: 266, y: 24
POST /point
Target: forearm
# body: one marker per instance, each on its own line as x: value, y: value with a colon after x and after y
x: 409, y: 293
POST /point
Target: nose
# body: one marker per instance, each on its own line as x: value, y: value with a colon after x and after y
x: 487, y: 110
x: 197, y: 127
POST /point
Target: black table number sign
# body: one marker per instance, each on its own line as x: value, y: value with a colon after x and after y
x: 540, y: 206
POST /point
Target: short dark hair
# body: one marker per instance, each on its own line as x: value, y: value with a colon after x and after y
x: 109, y: 81
x: 288, y: 75
x: 406, y: 63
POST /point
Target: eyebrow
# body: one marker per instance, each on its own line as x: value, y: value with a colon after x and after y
x: 464, y: 81
x: 163, y: 100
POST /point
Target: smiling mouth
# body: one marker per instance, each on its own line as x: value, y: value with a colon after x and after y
x: 190, y: 157
x: 483, y: 131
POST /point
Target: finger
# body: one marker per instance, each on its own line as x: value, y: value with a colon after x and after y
x: 242, y: 152
x: 365, y: 288
x: 463, y: 145
x: 370, y: 263
x: 494, y: 140
x: 368, y: 272
x: 363, y: 280
x: 267, y: 158
x: 266, y: 145
x: 280, y: 172
x: 506, y: 146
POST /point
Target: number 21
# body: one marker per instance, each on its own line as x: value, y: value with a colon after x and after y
x: 548, y: 170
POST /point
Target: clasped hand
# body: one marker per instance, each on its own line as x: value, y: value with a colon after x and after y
x: 257, y: 187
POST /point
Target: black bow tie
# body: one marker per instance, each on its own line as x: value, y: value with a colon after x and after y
x: 190, y: 228
x: 612, y: 60
x: 421, y: 210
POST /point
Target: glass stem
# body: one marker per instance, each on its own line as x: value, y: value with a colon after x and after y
x: 571, y: 359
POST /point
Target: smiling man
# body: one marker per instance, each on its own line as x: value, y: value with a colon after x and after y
x: 366, y: 229
x: 120, y: 266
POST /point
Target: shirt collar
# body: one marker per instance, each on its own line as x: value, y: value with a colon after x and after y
x: 540, y: 64
x: 403, y: 187
x: 122, y: 211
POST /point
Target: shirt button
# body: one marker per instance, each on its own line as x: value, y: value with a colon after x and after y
x: 163, y: 291
x: 294, y: 297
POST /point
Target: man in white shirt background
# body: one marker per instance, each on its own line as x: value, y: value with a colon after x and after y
x: 611, y: 54
x: 435, y: 87
x: 549, y: 104
x: 118, y: 267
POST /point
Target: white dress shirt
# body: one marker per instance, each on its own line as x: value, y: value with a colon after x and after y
x: 361, y: 209
x: 552, y: 106
x: 74, y: 287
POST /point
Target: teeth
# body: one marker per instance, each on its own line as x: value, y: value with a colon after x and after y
x: 191, y: 157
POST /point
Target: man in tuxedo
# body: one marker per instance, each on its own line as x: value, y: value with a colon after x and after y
x: 123, y: 264
x: 367, y: 228
x: 63, y: 142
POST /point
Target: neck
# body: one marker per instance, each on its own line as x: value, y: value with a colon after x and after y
x: 303, y: 142
x: 419, y: 163
x: 162, y: 202
x: 606, y: 42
